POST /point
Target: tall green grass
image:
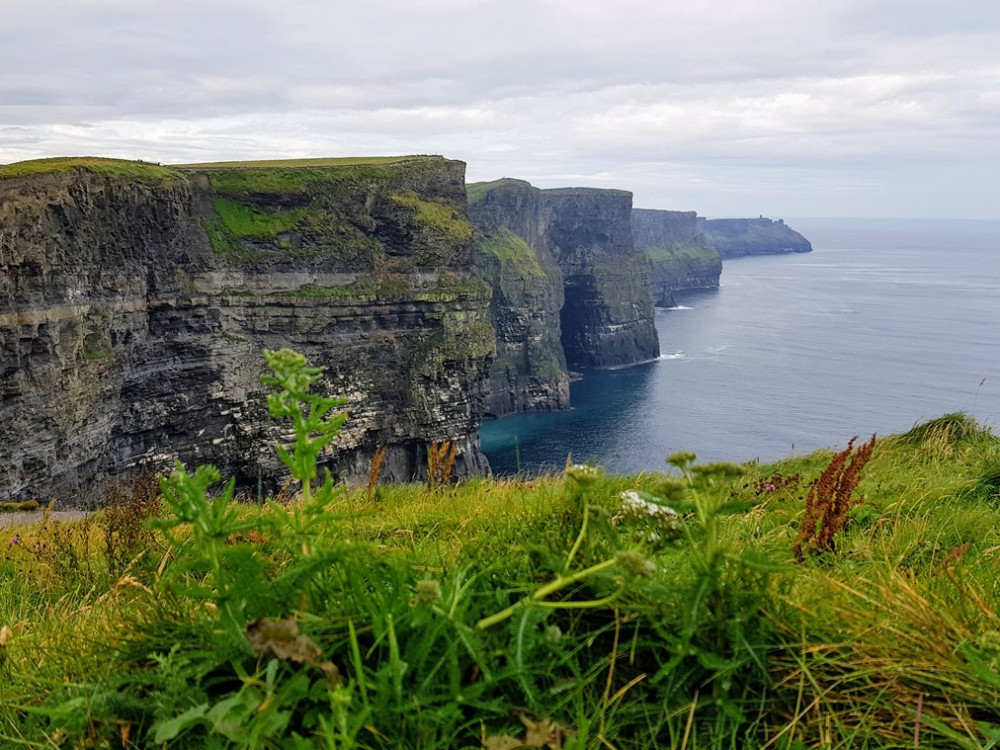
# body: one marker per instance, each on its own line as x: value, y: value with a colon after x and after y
x: 490, y: 613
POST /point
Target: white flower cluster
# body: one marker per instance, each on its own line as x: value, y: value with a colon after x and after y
x: 583, y: 473
x: 635, y: 507
x: 654, y: 522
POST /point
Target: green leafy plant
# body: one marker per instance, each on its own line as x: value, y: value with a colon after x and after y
x: 315, y: 426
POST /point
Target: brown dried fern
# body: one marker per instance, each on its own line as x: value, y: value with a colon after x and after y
x: 831, y: 498
x: 376, y: 469
x: 440, y: 460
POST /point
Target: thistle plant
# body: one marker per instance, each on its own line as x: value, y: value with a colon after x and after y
x: 315, y: 427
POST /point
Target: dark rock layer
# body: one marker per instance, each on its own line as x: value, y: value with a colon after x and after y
x: 607, y: 317
x: 134, y: 311
x: 678, y: 254
x: 738, y: 237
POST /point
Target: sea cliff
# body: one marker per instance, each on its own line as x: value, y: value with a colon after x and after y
x: 737, y: 237
x: 569, y: 288
x: 529, y: 372
x: 679, y: 256
x: 136, y: 300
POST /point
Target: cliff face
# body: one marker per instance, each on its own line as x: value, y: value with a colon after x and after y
x: 529, y: 371
x: 567, y: 283
x: 136, y: 301
x: 679, y: 257
x: 737, y: 237
x: 607, y: 317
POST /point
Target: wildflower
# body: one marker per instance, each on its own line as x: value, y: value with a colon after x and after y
x: 426, y: 592
x: 584, y: 474
x: 15, y: 540
x: 634, y: 564
x: 634, y: 505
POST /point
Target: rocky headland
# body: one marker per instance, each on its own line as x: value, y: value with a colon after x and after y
x: 136, y: 300
x: 734, y: 238
x: 679, y: 256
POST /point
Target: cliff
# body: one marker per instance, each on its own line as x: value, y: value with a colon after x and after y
x: 136, y: 300
x: 568, y: 287
x: 737, y: 237
x: 529, y: 371
x: 678, y: 254
x: 607, y: 318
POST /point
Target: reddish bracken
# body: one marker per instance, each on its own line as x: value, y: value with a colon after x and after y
x: 831, y: 498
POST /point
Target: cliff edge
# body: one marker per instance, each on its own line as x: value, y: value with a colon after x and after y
x: 679, y: 256
x: 136, y: 301
x: 569, y: 288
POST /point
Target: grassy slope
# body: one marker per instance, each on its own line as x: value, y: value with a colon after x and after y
x: 517, y: 258
x: 729, y: 641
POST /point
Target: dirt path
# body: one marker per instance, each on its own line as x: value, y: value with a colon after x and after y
x: 27, y: 517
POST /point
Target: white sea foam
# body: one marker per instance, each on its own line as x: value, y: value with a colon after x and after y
x: 674, y: 355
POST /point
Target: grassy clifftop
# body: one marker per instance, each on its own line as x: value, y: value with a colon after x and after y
x: 319, y: 162
x: 660, y: 610
x: 120, y: 168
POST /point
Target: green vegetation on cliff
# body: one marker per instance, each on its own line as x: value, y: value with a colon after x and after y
x: 118, y: 168
x: 476, y: 191
x: 333, y: 206
x: 248, y: 222
x: 682, y: 252
x: 436, y: 216
x: 517, y: 258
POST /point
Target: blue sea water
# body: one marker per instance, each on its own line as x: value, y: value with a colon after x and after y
x: 885, y: 324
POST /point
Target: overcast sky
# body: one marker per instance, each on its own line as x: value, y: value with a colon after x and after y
x: 727, y: 107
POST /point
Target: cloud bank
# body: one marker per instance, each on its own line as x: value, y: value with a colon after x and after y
x: 839, y: 107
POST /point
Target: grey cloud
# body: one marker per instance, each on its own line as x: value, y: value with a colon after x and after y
x: 778, y: 102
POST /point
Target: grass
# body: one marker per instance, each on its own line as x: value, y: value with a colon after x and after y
x: 118, y: 168
x: 312, y: 163
x: 439, y: 217
x: 248, y: 222
x: 476, y: 191
x: 681, y: 252
x: 516, y: 257
x: 694, y: 630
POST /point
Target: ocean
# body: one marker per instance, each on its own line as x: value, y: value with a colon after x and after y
x: 885, y: 324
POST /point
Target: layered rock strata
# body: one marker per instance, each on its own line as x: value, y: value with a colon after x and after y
x: 734, y: 238
x: 529, y: 372
x: 678, y: 254
x: 607, y: 318
x: 136, y: 301
x: 568, y: 287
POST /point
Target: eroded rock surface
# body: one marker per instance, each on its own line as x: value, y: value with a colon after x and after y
x: 569, y: 288
x: 136, y: 301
